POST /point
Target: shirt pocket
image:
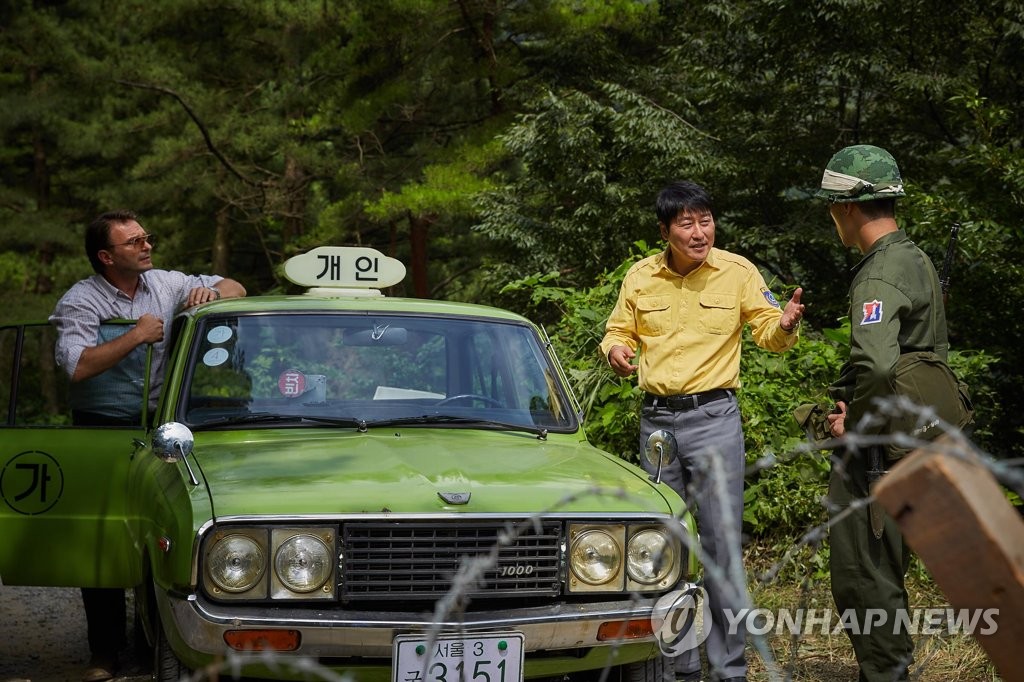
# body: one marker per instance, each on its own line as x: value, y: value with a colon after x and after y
x: 653, y: 315
x: 719, y: 313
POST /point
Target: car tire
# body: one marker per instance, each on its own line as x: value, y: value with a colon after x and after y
x: 657, y: 669
x: 166, y: 666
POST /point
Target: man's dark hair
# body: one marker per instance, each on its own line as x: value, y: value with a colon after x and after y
x: 878, y: 208
x: 681, y: 195
x: 97, y: 234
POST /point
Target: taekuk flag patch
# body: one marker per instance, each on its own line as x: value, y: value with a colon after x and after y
x: 872, y: 312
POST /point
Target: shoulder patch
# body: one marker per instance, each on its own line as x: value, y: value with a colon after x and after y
x: 768, y: 296
x: 872, y: 312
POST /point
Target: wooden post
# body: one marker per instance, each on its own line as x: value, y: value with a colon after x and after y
x: 956, y: 518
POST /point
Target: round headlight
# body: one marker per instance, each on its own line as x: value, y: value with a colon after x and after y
x: 236, y: 563
x: 596, y: 557
x: 303, y: 563
x: 649, y: 557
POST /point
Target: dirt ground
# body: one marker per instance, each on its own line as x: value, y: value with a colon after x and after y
x: 42, y: 637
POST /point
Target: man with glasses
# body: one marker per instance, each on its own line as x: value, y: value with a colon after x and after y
x: 107, y: 369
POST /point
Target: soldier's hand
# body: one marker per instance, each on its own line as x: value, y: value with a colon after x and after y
x: 837, y: 419
x: 150, y: 328
x: 793, y: 312
x: 619, y: 358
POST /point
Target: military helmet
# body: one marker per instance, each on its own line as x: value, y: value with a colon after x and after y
x: 862, y: 172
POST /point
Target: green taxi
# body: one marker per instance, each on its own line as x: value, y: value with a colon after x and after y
x: 342, y: 482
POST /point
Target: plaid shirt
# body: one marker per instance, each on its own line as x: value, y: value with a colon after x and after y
x: 90, y: 302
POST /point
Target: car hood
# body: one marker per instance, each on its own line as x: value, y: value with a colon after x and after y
x: 403, y: 470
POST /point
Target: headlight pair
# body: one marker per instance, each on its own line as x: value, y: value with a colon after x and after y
x: 612, y: 557
x: 252, y: 563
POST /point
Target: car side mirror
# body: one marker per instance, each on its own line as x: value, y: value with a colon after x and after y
x: 659, y: 451
x: 172, y: 441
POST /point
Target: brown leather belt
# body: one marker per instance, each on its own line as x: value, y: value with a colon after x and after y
x: 688, y: 401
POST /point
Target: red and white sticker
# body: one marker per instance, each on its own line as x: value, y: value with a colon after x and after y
x: 291, y: 383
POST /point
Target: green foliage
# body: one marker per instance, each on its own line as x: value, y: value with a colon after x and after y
x: 13, y: 272
x: 478, y: 141
x: 783, y: 492
x: 591, y: 164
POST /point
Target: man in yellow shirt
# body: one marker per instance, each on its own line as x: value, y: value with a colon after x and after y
x: 684, y: 310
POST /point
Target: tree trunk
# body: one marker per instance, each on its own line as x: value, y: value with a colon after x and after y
x: 418, y: 245
x: 221, y: 244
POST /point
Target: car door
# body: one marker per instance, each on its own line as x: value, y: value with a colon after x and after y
x: 62, y: 487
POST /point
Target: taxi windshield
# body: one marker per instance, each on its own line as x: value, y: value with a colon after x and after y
x: 357, y: 369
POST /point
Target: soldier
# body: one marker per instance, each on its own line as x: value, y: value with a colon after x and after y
x: 898, y: 346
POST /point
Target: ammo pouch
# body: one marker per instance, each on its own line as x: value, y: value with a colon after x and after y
x: 812, y: 419
x: 925, y: 379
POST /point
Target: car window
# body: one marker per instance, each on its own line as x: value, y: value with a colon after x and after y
x: 33, y: 389
x: 371, y: 368
x: 35, y: 392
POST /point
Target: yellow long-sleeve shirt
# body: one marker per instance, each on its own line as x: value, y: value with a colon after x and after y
x: 688, y: 329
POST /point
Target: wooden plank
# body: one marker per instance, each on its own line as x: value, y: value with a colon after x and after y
x: 956, y: 518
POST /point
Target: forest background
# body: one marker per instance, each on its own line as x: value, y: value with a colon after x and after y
x: 509, y: 152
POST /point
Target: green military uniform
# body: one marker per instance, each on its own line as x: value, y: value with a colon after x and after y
x: 896, y: 308
x: 898, y: 338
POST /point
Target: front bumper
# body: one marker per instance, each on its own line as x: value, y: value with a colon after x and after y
x: 338, y: 638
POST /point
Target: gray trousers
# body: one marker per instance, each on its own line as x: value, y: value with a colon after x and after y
x: 710, y: 443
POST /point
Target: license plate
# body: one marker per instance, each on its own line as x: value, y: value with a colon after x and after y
x: 491, y: 657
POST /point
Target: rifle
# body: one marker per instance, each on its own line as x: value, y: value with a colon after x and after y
x: 947, y: 265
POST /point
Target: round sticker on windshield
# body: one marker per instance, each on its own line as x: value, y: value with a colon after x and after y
x: 215, y: 356
x: 291, y: 383
x: 219, y: 334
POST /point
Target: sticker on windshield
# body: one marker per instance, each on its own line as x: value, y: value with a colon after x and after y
x: 219, y: 334
x: 215, y: 357
x: 291, y: 383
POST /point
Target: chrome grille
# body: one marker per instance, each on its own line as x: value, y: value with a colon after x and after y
x: 403, y: 560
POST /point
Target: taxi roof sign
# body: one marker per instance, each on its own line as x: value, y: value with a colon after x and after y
x: 332, y: 269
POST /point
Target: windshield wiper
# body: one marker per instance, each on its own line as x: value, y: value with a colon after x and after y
x: 362, y: 424
x: 274, y: 418
x: 538, y: 431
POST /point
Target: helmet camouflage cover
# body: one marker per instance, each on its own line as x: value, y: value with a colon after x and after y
x: 862, y: 172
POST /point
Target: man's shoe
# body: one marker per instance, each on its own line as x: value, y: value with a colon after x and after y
x: 735, y: 679
x: 100, y: 668
x: 688, y: 677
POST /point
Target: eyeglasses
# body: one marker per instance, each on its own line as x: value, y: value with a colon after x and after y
x: 137, y: 242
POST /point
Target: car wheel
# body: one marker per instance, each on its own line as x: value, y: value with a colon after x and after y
x: 166, y: 666
x: 657, y: 669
